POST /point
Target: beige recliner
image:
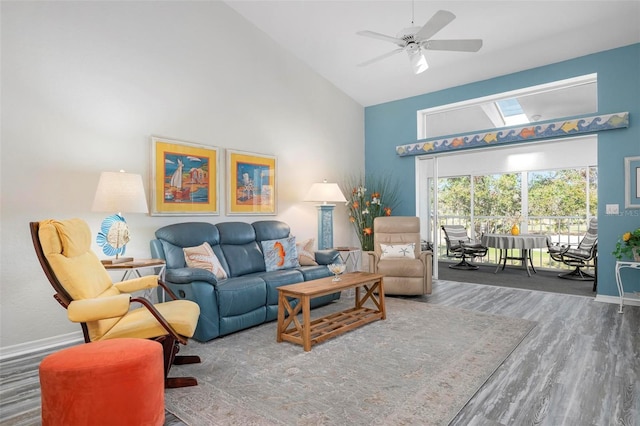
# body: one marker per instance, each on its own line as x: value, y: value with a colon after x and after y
x: 397, y: 255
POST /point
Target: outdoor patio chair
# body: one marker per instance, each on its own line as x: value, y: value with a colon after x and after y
x: 582, y: 256
x: 461, y: 246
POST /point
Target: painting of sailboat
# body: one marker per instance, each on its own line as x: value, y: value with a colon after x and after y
x: 185, y: 178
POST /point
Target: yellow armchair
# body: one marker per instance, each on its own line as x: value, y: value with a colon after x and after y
x: 84, y: 287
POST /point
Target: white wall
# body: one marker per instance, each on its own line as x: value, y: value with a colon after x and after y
x: 85, y: 85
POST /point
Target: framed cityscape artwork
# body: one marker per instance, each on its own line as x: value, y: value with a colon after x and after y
x: 184, y: 178
x: 251, y: 183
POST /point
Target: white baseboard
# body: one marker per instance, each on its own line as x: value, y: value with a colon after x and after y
x: 41, y: 345
x: 616, y: 300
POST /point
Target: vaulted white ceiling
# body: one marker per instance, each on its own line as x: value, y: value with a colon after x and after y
x: 517, y: 35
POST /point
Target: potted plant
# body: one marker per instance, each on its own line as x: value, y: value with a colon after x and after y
x: 628, y: 246
x: 365, y: 202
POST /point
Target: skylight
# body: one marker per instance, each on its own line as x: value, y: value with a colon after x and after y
x: 512, y: 112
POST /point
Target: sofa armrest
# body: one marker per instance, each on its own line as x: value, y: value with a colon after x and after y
x: 188, y: 275
x: 327, y: 257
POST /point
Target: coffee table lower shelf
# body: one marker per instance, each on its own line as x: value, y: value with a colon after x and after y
x: 294, y: 312
x: 332, y: 325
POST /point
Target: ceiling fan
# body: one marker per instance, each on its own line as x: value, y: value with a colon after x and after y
x: 414, y: 40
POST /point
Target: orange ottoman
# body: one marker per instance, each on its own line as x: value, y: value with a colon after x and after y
x: 111, y: 382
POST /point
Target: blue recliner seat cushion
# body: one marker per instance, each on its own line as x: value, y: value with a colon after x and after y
x: 275, y: 279
x: 188, y: 275
x: 241, y: 295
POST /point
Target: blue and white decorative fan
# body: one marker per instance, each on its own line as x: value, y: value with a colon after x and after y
x: 113, y: 236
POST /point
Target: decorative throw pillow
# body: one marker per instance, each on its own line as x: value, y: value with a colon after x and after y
x: 203, y: 257
x: 305, y: 253
x: 397, y: 251
x: 280, y: 254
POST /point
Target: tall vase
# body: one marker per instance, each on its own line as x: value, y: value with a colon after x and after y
x: 515, y: 230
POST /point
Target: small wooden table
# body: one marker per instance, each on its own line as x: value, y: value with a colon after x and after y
x: 307, y: 332
x: 132, y: 268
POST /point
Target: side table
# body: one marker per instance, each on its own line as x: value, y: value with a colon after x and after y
x: 351, y: 257
x: 132, y: 269
x: 619, y: 265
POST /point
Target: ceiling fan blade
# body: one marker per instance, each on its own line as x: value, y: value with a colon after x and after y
x: 437, y: 22
x: 386, y: 55
x: 379, y: 36
x: 471, y: 45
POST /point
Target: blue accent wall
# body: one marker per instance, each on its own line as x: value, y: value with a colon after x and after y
x: 394, y: 123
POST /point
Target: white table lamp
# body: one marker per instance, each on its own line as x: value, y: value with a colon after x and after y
x: 325, y: 193
x: 118, y: 192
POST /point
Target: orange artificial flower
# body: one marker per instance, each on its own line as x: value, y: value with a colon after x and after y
x: 375, y: 195
x: 352, y: 219
x: 356, y: 205
x: 387, y: 211
x: 367, y: 231
x: 367, y: 203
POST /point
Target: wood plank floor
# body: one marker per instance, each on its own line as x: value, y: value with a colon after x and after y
x: 579, y: 366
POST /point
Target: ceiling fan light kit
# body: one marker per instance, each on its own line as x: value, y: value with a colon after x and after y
x: 418, y: 61
x: 415, y: 40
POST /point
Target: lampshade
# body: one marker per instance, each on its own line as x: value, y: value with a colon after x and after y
x: 120, y: 192
x: 325, y: 193
x: 418, y: 61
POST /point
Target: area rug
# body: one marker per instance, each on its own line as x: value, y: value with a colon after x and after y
x: 419, y: 366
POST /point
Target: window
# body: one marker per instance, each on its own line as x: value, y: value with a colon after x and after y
x: 559, y: 99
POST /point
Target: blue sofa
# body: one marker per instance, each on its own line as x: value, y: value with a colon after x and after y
x: 248, y: 296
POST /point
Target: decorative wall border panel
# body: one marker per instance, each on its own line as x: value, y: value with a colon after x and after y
x: 556, y: 129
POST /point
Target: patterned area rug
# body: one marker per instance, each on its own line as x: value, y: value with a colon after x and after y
x: 419, y: 366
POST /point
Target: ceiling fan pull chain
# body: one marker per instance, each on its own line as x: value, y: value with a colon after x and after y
x: 413, y: 10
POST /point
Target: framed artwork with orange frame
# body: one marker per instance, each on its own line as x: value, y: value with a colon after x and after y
x: 251, y: 183
x: 184, y: 178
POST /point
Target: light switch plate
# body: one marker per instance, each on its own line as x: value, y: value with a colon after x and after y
x: 613, y: 209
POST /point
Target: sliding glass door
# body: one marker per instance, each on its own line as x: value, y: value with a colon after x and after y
x: 539, y: 187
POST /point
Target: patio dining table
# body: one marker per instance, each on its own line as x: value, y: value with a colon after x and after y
x: 524, y: 242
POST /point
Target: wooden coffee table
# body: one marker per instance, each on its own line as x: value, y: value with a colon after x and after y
x: 307, y: 332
